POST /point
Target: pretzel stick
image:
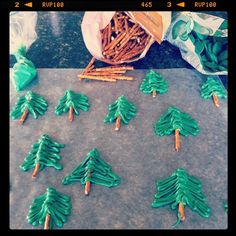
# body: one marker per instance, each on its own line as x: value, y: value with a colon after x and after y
x: 109, y: 33
x: 114, y: 42
x: 88, y: 67
x: 95, y: 77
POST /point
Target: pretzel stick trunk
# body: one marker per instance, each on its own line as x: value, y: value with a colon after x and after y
x: 23, y: 117
x: 47, y: 221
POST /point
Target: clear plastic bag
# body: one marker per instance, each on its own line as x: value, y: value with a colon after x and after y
x: 202, y: 40
x: 22, y: 36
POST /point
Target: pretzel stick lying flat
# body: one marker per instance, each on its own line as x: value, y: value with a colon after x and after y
x: 104, y: 73
x: 95, y: 77
x: 115, y: 68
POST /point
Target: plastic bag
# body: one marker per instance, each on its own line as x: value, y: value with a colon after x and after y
x: 202, y: 40
x: 94, y: 22
x: 22, y: 35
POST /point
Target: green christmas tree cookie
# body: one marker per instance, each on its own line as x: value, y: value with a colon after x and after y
x: 154, y: 83
x: 213, y: 88
x: 52, y: 208
x: 44, y: 153
x: 120, y: 110
x: 180, y: 190
x: 72, y: 102
x: 93, y: 170
x: 176, y: 121
x: 30, y: 103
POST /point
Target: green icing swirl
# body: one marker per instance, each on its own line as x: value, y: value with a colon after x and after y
x: 154, y: 81
x: 35, y: 104
x: 72, y: 99
x: 175, y: 119
x: 56, y: 204
x: 213, y: 86
x: 183, y: 188
x: 45, y: 152
x: 101, y: 172
x: 123, y: 108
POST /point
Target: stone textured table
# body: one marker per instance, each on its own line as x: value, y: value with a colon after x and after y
x: 135, y: 153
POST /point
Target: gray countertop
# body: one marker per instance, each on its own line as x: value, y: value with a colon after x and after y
x: 135, y: 153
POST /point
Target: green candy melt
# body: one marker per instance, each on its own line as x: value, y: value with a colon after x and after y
x: 154, y: 83
x: 44, y: 153
x: 175, y: 119
x: 180, y: 190
x: 122, y: 110
x: 72, y: 101
x: 52, y: 206
x: 93, y: 169
x: 213, y: 86
x: 24, y: 70
x: 31, y: 103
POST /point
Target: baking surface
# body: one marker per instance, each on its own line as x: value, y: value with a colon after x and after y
x: 135, y: 153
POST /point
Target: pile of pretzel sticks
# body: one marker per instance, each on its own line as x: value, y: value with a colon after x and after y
x: 123, y: 39
x: 109, y: 73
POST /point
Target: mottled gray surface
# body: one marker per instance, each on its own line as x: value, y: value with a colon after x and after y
x: 138, y: 156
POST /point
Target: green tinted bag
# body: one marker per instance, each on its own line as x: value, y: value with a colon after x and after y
x: 22, y: 35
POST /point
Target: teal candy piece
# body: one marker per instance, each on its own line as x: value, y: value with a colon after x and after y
x: 45, y: 153
x: 24, y: 70
x: 175, y: 119
x: 183, y: 188
x: 180, y: 29
x: 77, y: 101
x: 123, y: 108
x: 93, y: 169
x: 199, y: 46
x: 34, y: 103
x: 57, y: 205
x: 154, y: 81
x: 213, y: 86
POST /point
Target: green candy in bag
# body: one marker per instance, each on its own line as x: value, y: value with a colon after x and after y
x: 22, y: 36
x: 24, y: 70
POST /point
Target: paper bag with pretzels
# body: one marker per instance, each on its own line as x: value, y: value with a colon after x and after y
x: 123, y: 37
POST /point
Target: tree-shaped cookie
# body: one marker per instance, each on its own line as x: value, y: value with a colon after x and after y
x: 44, y: 153
x: 120, y: 110
x: 176, y: 121
x: 31, y: 103
x: 154, y: 83
x: 50, y: 209
x: 93, y: 170
x: 180, y: 190
x: 213, y: 88
x: 72, y: 102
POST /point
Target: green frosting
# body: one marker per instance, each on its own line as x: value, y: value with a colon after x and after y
x: 154, y: 81
x: 45, y: 153
x: 35, y: 104
x: 213, y: 86
x: 93, y: 169
x: 175, y: 119
x: 52, y: 203
x: 180, y: 187
x: 24, y: 70
x: 71, y: 99
x: 123, y: 108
